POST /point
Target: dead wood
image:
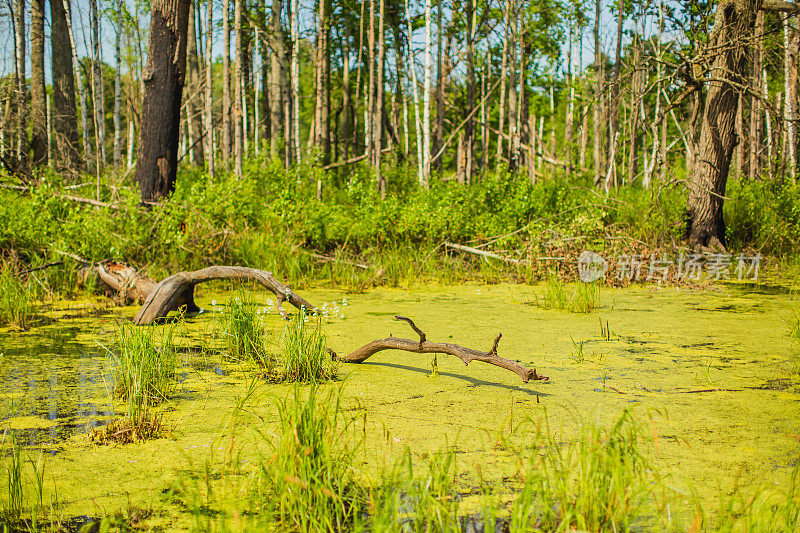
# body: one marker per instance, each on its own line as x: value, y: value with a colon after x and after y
x: 177, y: 291
x: 483, y: 253
x: 423, y: 345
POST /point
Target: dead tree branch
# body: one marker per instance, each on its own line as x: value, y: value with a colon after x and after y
x: 177, y: 291
x: 425, y: 346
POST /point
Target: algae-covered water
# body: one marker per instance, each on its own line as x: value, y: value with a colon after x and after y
x: 713, y: 371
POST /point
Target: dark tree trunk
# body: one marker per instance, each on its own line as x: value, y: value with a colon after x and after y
x: 278, y: 86
x: 38, y: 93
x: 161, y: 111
x: 64, y: 115
x: 734, y: 24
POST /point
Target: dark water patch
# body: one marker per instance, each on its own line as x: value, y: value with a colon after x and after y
x: 52, y: 388
x: 763, y: 289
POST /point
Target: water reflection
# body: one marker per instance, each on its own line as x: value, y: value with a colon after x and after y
x: 51, y: 387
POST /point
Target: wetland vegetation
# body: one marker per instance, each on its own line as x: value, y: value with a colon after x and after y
x: 205, y: 337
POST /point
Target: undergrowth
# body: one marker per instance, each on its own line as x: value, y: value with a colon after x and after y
x: 144, y: 365
x: 244, y: 333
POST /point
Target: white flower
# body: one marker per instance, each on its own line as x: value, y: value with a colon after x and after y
x: 213, y: 302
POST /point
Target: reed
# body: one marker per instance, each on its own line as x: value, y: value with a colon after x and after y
x: 304, y: 354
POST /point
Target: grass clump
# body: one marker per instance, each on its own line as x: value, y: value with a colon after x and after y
x: 602, y: 481
x: 585, y: 298
x: 143, y: 367
x: 244, y: 334
x: 309, y: 478
x: 17, y: 486
x: 16, y: 299
x: 304, y: 353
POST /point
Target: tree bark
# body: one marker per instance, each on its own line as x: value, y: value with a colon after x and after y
x: 791, y: 38
x: 615, y: 90
x: 734, y: 23
x: 177, y: 291
x: 64, y: 115
x: 426, y: 101
x: 755, y: 100
x: 469, y: 127
x: 98, y: 95
x: 193, y: 93
x: 598, y: 100
x: 164, y: 76
x: 38, y: 92
x: 467, y: 355
x: 87, y: 145
x: 118, y: 88
x: 227, y: 111
x: 503, y: 88
x: 238, y: 107
x: 22, y: 90
x: 278, y: 88
x: 209, y: 91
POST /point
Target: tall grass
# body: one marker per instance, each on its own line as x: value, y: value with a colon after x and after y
x: 602, y: 481
x: 243, y: 332
x: 585, y: 298
x: 764, y: 511
x: 18, y: 487
x: 144, y: 362
x: 309, y: 481
x: 16, y: 299
x: 304, y: 354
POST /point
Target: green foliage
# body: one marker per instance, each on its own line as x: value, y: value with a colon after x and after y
x: 243, y: 332
x: 764, y: 214
x: 144, y: 362
x: 18, y: 486
x: 602, y: 481
x: 304, y: 354
x: 16, y: 298
x: 308, y: 482
x: 585, y: 298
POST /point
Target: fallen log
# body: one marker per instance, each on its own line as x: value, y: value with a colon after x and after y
x: 177, y: 291
x: 128, y: 285
x: 425, y: 346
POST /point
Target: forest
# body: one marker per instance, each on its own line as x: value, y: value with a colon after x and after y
x: 581, y: 218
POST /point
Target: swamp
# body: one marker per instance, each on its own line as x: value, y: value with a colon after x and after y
x: 420, y: 266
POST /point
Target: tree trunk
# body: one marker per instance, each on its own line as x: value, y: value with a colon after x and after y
x: 22, y: 90
x: 469, y: 126
x: 615, y: 86
x: 164, y: 76
x: 118, y: 88
x: 64, y: 116
x: 209, y: 90
x: 426, y: 100
x: 440, y: 80
x: 323, y: 81
x: 238, y: 111
x: 76, y: 67
x: 278, y: 88
x: 98, y: 95
x: 503, y: 88
x: 377, y: 124
x: 598, y: 99
x: 421, y: 177
x: 295, y: 15
x: 38, y: 98
x: 791, y: 41
x: 227, y: 110
x: 734, y: 23
x: 193, y: 92
x: 755, y: 100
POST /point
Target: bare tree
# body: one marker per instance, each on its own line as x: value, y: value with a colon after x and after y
x: 164, y: 76
x: 38, y: 98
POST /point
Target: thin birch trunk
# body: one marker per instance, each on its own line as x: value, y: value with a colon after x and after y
x: 238, y: 111
x: 118, y: 90
x: 503, y: 88
x: 296, y: 79
x: 209, y: 90
x: 426, y: 110
x: 227, y: 111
